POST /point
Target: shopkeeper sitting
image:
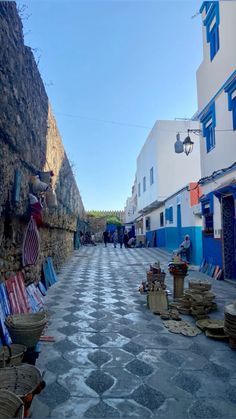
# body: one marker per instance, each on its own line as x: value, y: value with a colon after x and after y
x: 184, y: 249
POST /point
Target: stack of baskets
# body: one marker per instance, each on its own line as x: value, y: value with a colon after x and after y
x: 11, y: 406
x: 11, y: 355
x: 26, y: 329
x: 24, y: 381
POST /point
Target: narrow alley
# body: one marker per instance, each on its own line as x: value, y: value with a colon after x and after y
x: 113, y: 358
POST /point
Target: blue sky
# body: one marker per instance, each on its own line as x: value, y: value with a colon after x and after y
x: 128, y: 62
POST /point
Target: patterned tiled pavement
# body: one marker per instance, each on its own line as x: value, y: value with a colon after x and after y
x: 113, y: 358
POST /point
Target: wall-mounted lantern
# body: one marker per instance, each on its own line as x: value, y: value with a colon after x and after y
x: 185, y: 146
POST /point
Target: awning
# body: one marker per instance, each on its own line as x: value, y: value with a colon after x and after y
x: 151, y: 207
x: 226, y: 188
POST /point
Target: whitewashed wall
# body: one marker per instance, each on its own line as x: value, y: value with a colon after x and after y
x: 171, y: 171
x: 211, y: 75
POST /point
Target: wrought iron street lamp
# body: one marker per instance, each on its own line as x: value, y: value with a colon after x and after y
x: 185, y: 146
x: 188, y: 145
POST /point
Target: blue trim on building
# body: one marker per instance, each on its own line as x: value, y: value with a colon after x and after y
x: 208, y: 121
x: 212, y: 250
x: 212, y: 32
x: 205, y: 5
x: 232, y: 76
x: 207, y: 201
x: 230, y: 89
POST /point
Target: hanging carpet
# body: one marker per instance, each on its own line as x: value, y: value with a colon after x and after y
x: 31, y: 244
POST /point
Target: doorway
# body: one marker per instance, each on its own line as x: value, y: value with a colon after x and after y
x: 228, y: 231
x: 179, y: 225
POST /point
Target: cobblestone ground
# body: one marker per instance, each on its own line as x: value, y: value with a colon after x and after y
x: 113, y: 358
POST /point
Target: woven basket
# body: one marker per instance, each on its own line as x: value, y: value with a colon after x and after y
x: 21, y: 380
x: 11, y: 406
x: 156, y: 277
x: 158, y: 301
x: 27, y: 319
x: 11, y: 355
x: 26, y: 329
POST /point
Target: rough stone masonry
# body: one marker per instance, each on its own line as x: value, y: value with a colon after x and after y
x: 30, y: 142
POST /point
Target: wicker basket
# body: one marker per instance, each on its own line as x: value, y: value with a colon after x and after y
x: 26, y: 329
x: 11, y: 355
x: 151, y: 277
x: 27, y: 319
x: 158, y: 301
x: 21, y: 380
x: 11, y: 406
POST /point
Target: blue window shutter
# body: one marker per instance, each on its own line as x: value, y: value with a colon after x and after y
x: 171, y: 214
x: 213, y: 13
x: 166, y: 214
x: 234, y: 113
x: 208, y: 121
x: 231, y: 89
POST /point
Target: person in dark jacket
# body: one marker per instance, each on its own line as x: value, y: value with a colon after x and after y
x: 105, y: 237
x: 121, y: 238
x: 126, y: 239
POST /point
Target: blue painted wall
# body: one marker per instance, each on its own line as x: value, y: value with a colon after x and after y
x: 212, y: 250
x: 161, y: 237
x: 168, y: 237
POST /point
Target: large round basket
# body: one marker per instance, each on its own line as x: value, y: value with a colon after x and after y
x: 11, y: 406
x: 21, y: 380
x: 11, y: 355
x: 26, y: 329
x: 27, y: 319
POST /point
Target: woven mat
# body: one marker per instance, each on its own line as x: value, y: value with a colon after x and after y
x: 183, y: 327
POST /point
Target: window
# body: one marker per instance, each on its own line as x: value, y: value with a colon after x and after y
x: 139, y: 189
x: 208, y: 121
x: 144, y: 184
x: 169, y: 215
x: 207, y: 212
x: 147, y: 223
x: 161, y: 219
x: 231, y: 90
x: 151, y: 176
x: 211, y: 21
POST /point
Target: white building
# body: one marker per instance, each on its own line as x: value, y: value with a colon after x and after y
x: 160, y: 171
x: 216, y: 87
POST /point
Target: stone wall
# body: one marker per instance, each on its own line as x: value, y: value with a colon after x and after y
x: 30, y: 142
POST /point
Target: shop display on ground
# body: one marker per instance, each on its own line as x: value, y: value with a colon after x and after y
x: 197, y: 301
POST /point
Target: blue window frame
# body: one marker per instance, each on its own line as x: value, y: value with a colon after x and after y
x: 169, y: 215
x: 144, y: 184
x: 212, y: 21
x: 231, y: 90
x: 207, y: 203
x: 151, y: 176
x: 139, y: 189
x: 208, y: 121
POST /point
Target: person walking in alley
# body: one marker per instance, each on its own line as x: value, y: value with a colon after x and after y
x: 126, y: 238
x: 115, y: 238
x: 121, y: 238
x: 105, y: 237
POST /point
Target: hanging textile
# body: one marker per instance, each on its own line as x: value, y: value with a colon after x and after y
x: 31, y: 244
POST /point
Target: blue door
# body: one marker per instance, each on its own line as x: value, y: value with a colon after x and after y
x: 179, y: 225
